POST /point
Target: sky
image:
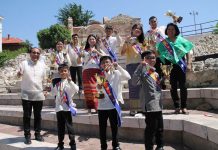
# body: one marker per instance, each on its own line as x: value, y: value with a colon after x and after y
x: 24, y: 18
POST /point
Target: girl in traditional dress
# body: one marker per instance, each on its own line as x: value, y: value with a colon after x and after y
x: 90, y: 68
x: 132, y: 48
x: 174, y: 49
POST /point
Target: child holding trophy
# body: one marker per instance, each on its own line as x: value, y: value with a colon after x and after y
x: 146, y: 76
x: 109, y: 82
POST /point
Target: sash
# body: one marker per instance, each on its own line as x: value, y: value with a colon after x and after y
x: 111, y: 94
x: 58, y: 59
x: 76, y: 50
x: 110, y: 51
x: 66, y: 99
x: 169, y: 48
x: 151, y: 74
x: 137, y: 48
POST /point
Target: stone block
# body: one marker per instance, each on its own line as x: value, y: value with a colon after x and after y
x: 195, y: 129
x: 130, y: 122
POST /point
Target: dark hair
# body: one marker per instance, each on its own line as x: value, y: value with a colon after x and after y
x: 105, y: 57
x: 175, y: 26
x: 61, y: 66
x: 87, y: 41
x: 141, y: 37
x: 152, y: 17
x: 31, y: 48
x: 74, y: 35
x: 147, y: 53
x: 109, y: 27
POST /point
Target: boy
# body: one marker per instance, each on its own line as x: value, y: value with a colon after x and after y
x: 108, y: 106
x: 63, y: 92
x: 146, y: 76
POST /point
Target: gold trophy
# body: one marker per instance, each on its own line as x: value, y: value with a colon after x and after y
x: 176, y: 19
x: 166, y: 71
x: 100, y: 81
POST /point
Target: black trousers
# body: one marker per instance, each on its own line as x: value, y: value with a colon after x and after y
x: 178, y: 76
x: 154, y: 128
x: 77, y: 71
x: 27, y: 111
x: 103, y: 116
x: 65, y: 118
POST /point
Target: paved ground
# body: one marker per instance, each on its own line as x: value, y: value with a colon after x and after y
x: 91, y: 143
x: 83, y: 142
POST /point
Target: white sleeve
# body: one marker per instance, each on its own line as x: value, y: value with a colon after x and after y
x: 71, y: 88
x: 124, y: 74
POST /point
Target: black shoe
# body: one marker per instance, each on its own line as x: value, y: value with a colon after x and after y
x: 117, y: 148
x: 59, y: 148
x: 39, y: 138
x: 73, y: 147
x: 159, y: 148
x: 28, y: 140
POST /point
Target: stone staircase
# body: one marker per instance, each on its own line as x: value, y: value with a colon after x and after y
x: 198, y: 130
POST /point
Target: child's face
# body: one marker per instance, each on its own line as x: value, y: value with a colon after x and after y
x: 150, y: 59
x: 59, y: 46
x: 63, y: 73
x: 105, y: 64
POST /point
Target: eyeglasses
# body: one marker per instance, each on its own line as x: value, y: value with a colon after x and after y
x: 150, y: 57
x: 35, y: 53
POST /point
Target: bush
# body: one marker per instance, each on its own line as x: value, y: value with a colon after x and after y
x: 7, y: 55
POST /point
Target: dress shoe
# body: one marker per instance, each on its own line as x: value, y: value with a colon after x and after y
x: 159, y: 148
x: 59, y: 148
x: 184, y: 111
x: 27, y: 140
x: 117, y: 148
x: 39, y: 138
x: 177, y: 111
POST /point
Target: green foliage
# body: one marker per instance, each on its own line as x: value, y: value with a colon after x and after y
x: 7, y: 54
x: 80, y: 17
x: 215, y: 31
x: 49, y: 37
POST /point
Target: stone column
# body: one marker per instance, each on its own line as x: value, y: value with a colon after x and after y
x: 70, y: 24
x: 1, y: 18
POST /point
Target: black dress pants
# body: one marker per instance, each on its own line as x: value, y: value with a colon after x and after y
x: 77, y: 71
x: 103, y: 116
x: 65, y: 118
x: 27, y: 111
x: 178, y: 76
x: 154, y: 128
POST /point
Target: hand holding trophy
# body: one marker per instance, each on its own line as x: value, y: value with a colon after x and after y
x: 100, y: 81
x: 176, y: 19
x: 166, y: 71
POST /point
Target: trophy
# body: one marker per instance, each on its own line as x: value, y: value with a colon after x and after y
x: 166, y: 69
x: 176, y: 19
x: 100, y: 81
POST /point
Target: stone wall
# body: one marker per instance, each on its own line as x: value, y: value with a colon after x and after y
x: 205, y: 73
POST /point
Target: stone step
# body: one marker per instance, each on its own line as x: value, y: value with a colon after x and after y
x: 198, y: 130
x: 196, y: 97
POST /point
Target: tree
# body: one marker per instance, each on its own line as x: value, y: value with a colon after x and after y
x: 215, y: 31
x: 50, y: 36
x: 80, y: 17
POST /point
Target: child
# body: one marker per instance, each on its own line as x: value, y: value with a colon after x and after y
x: 64, y: 91
x: 108, y: 106
x: 146, y: 76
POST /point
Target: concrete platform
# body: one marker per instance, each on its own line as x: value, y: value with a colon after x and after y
x: 198, y: 130
x: 196, y: 96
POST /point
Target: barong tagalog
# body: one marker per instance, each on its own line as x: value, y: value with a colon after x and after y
x: 112, y: 96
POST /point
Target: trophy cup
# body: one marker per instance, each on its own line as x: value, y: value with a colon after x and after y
x: 166, y: 71
x: 100, y: 81
x: 176, y: 19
